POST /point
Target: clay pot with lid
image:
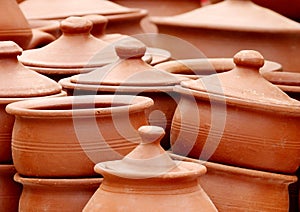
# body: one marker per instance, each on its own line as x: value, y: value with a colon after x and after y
x: 66, y: 136
x: 233, y: 188
x: 10, y: 191
x: 148, y: 179
x: 131, y: 75
x: 222, y: 29
x: 238, y: 118
x: 121, y: 19
x: 70, y: 54
x: 43, y: 194
x: 18, y: 83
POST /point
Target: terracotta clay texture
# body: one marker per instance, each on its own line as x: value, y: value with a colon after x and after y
x: 121, y: 19
x: 147, y: 179
x: 70, y: 54
x: 238, y: 118
x: 66, y: 136
x: 131, y: 75
x: 18, y: 83
x: 43, y: 194
x: 10, y: 191
x: 238, y: 189
x: 232, y: 25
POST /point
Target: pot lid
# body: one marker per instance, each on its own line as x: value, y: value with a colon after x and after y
x: 58, y: 9
x: 76, y: 48
x: 243, y: 82
x: 18, y: 81
x: 148, y: 159
x: 241, y: 15
x: 129, y: 70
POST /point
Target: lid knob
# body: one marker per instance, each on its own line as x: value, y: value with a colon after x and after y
x: 151, y: 134
x: 74, y: 25
x: 130, y: 48
x: 249, y: 58
x: 9, y: 48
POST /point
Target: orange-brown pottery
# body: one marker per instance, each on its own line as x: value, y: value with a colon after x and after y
x: 66, y: 136
x: 44, y: 194
x: 147, y: 179
x: 238, y: 118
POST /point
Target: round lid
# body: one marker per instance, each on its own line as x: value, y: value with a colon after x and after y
x: 148, y: 159
x: 243, y: 82
x: 76, y: 48
x: 129, y: 70
x: 16, y: 81
x: 57, y: 9
x: 232, y: 15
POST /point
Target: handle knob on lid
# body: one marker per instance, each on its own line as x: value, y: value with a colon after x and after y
x: 249, y: 58
x: 151, y: 134
x: 74, y: 25
x: 9, y: 48
x: 130, y: 48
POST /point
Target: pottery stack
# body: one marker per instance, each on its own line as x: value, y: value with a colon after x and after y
x: 57, y: 141
x: 17, y: 84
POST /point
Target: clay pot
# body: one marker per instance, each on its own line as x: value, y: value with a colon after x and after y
x: 238, y: 118
x: 233, y: 25
x: 15, y: 27
x: 43, y: 194
x: 18, y: 83
x: 131, y: 75
x: 197, y: 68
x: 121, y: 19
x: 66, y: 136
x: 238, y: 189
x: 10, y: 191
x: 148, y: 178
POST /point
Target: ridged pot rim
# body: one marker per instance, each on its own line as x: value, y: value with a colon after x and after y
x: 124, y: 105
x: 56, y: 182
x: 234, y: 170
x: 288, y: 109
x: 67, y: 84
x: 9, y: 100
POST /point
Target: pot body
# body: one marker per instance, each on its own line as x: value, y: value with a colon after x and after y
x: 238, y: 189
x: 10, y: 191
x: 56, y: 194
x: 279, y: 47
x: 240, y: 134
x: 121, y: 194
x: 70, y: 145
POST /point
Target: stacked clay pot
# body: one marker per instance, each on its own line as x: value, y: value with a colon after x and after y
x: 131, y: 75
x: 70, y: 54
x: 121, y: 19
x: 57, y: 141
x: 238, y: 119
x: 16, y: 83
x: 147, y: 179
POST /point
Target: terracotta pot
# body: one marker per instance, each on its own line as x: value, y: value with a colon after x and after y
x: 197, y: 68
x: 18, y: 83
x: 121, y: 19
x: 238, y: 189
x: 66, y: 136
x: 40, y: 194
x: 15, y: 27
x: 233, y: 25
x: 238, y: 118
x: 10, y: 191
x: 131, y: 75
x: 147, y: 178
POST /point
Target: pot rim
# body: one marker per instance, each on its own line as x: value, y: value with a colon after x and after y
x: 238, y: 170
x: 67, y: 84
x: 11, y: 100
x: 57, y: 181
x: 28, y: 108
x: 288, y: 109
